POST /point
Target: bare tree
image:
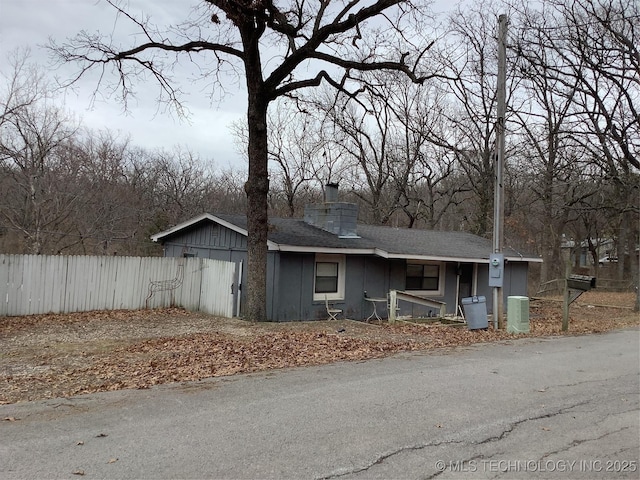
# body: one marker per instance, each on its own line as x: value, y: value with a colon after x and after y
x: 295, y: 148
x: 587, y: 53
x: 182, y: 182
x: 545, y: 119
x: 332, y: 41
x: 225, y: 195
x: 470, y: 60
x: 389, y: 159
x: 603, y: 37
x: 421, y: 166
x: 38, y: 198
x: 127, y: 197
x: 94, y: 171
x: 22, y: 86
x: 364, y: 129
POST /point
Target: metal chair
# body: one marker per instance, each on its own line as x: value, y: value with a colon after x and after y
x: 331, y: 311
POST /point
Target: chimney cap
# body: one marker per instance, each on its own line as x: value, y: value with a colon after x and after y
x: 331, y: 192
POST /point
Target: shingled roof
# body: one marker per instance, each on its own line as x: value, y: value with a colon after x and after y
x: 294, y: 235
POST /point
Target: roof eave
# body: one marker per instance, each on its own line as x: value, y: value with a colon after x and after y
x: 450, y: 258
x: 176, y: 228
x: 335, y: 250
x: 400, y: 256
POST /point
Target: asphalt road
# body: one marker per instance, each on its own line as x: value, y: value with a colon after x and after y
x: 544, y: 408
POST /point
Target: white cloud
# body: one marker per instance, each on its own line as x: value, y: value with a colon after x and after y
x: 30, y: 23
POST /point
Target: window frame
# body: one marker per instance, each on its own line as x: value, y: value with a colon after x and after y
x: 330, y: 258
x: 441, y: 274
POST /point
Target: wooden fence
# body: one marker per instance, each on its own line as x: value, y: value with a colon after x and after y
x: 31, y: 284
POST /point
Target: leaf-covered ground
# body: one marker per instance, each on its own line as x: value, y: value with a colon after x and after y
x: 44, y: 356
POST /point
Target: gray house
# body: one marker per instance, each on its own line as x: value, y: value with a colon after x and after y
x: 328, y: 258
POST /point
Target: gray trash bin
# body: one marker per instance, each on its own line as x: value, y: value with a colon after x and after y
x: 475, y: 312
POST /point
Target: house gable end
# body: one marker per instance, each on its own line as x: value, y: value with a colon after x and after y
x: 204, y: 231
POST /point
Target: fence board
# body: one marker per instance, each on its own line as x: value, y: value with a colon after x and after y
x: 216, y: 295
x: 12, y: 269
x: 31, y: 284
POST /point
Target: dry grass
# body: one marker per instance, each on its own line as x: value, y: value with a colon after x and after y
x: 44, y: 356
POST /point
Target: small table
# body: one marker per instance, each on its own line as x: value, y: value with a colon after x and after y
x: 373, y: 301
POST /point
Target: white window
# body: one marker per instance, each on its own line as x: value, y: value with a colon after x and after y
x: 329, y: 277
x: 425, y: 278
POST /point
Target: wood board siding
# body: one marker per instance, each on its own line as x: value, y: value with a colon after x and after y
x: 203, y: 239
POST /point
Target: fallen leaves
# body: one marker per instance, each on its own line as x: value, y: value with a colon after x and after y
x: 195, y: 357
x: 63, y: 355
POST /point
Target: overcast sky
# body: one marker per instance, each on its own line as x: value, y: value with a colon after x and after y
x: 30, y: 23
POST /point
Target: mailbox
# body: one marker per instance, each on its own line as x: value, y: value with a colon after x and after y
x: 581, y: 282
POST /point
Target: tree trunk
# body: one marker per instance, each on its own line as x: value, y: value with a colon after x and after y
x: 622, y: 266
x: 634, y: 267
x: 627, y: 253
x: 257, y: 186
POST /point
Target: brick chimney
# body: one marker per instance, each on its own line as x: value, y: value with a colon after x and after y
x: 339, y: 218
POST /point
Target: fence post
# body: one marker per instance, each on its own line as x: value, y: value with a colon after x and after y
x: 393, y: 303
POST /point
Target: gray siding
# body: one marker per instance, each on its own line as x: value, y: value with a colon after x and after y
x: 374, y: 275
x: 273, y: 284
x: 290, y: 277
x: 515, y: 282
x: 207, y: 240
x: 292, y: 292
x: 295, y: 298
x: 365, y: 274
x: 517, y: 278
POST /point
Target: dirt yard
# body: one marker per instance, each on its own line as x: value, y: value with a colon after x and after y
x: 46, y: 356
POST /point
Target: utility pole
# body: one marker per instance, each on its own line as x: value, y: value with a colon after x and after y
x: 498, y: 201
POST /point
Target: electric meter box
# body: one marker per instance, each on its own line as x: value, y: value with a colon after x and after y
x: 496, y: 270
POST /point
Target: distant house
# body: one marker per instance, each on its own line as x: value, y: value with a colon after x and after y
x: 582, y: 254
x: 329, y: 256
